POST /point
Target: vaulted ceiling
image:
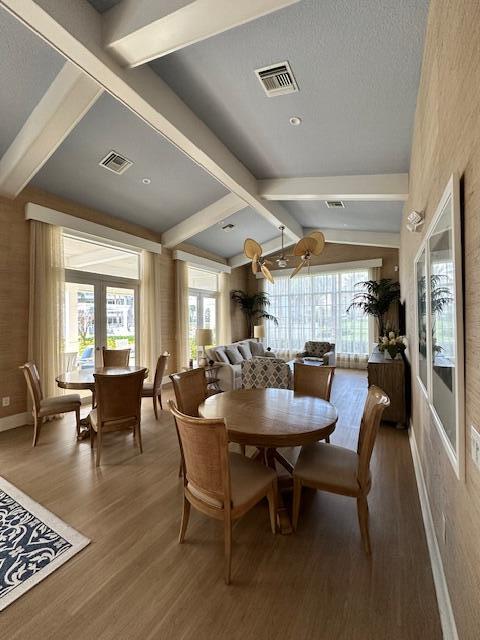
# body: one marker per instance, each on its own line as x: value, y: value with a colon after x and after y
x: 171, y: 86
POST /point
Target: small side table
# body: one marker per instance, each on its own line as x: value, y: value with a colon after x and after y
x: 213, y: 382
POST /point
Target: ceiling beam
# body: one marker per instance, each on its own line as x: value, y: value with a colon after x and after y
x: 75, y: 29
x: 381, y: 187
x: 137, y: 31
x: 334, y: 236
x: 63, y: 105
x: 202, y: 220
x: 364, y: 238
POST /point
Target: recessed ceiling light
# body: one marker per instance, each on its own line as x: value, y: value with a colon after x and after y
x: 146, y: 180
x: 295, y: 121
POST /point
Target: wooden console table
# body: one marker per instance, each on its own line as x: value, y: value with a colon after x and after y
x: 389, y: 375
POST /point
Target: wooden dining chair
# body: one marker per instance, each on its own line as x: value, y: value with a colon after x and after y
x: 43, y: 407
x: 115, y: 357
x: 154, y: 389
x: 313, y: 380
x: 219, y: 483
x: 338, y: 470
x: 119, y: 402
x: 190, y: 388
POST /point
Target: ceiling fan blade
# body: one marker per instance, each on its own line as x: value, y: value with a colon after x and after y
x: 299, y: 266
x: 320, y: 240
x: 267, y: 274
x: 251, y: 248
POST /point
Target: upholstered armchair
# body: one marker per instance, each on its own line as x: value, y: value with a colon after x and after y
x: 262, y: 373
x: 325, y: 350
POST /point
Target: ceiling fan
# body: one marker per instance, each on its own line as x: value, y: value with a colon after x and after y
x: 308, y: 246
x: 282, y: 259
x: 253, y: 251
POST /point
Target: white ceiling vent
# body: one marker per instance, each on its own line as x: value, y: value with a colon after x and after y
x: 277, y: 79
x: 228, y: 227
x: 113, y: 161
x: 334, y: 204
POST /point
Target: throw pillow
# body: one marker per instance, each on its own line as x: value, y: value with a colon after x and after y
x: 234, y: 355
x: 257, y: 348
x: 221, y: 356
x: 245, y: 351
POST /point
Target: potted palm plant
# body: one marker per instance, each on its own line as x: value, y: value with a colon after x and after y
x: 376, y: 298
x: 254, y: 307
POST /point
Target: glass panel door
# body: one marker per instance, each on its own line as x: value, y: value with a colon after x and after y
x: 209, y: 320
x: 193, y: 313
x: 120, y: 319
x: 79, y: 326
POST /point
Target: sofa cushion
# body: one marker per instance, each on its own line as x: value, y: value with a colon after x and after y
x: 220, y: 355
x: 257, y: 348
x: 233, y: 354
x: 245, y: 350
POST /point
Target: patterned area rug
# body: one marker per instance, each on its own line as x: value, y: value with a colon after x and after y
x: 33, y: 543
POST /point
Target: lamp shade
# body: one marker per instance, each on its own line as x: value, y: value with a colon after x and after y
x: 204, y: 337
x: 259, y: 331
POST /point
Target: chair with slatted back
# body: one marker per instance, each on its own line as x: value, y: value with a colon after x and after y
x: 119, y: 402
x: 154, y: 390
x: 220, y: 484
x: 338, y: 470
x: 190, y: 388
x: 44, y: 407
x: 115, y: 357
x: 313, y: 380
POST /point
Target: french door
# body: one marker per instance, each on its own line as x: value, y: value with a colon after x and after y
x: 202, y: 308
x: 100, y: 311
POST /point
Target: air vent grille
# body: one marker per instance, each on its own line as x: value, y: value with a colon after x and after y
x: 277, y: 79
x: 228, y: 227
x: 334, y: 204
x: 115, y: 162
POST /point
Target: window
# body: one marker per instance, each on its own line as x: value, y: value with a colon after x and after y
x: 202, y: 304
x: 101, y: 298
x: 314, y: 307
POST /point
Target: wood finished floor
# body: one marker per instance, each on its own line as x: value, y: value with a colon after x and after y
x: 135, y: 581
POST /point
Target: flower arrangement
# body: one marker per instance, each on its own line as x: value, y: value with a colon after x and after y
x: 393, y: 344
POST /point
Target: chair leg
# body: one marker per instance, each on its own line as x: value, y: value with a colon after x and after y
x: 180, y: 470
x: 77, y: 415
x: 242, y: 449
x: 92, y: 436
x: 272, y: 506
x: 362, y: 510
x: 94, y: 400
x: 37, y: 425
x: 185, y: 517
x: 327, y: 439
x: 297, y: 494
x: 155, y: 409
x: 99, y: 447
x: 228, y: 546
x: 160, y: 400
x: 139, y: 436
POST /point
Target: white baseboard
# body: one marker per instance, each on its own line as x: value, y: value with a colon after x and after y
x: 447, y: 618
x: 17, y: 420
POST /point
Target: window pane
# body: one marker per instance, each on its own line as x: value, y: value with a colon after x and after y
x: 121, y: 320
x: 79, y: 327
x: 200, y: 279
x: 86, y: 255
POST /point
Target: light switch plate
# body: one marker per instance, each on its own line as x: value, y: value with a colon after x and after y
x: 475, y: 445
x: 6, y: 401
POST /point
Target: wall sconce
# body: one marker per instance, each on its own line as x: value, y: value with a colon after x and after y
x: 415, y: 220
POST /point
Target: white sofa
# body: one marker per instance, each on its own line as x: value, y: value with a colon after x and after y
x: 230, y: 375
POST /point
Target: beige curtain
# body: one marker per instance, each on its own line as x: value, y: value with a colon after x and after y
x: 46, y: 304
x: 225, y: 317
x: 182, y: 314
x: 150, y: 333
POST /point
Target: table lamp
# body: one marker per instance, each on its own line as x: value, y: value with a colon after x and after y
x: 204, y: 337
x: 258, y: 331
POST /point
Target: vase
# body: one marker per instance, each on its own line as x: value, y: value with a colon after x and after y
x: 387, y: 356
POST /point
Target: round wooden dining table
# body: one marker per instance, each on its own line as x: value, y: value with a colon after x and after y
x: 270, y: 419
x: 83, y: 380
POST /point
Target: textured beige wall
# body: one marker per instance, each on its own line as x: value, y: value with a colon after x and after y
x: 14, y: 286
x: 447, y: 139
